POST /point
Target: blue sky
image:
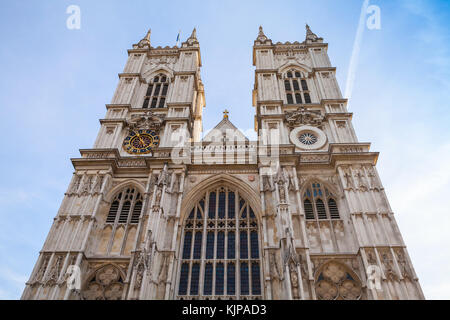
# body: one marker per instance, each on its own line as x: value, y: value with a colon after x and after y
x: 55, y: 83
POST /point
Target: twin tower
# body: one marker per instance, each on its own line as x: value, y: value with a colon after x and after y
x: 156, y: 210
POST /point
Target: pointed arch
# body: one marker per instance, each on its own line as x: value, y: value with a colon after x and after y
x: 311, y: 179
x: 320, y: 200
x: 132, y: 183
x: 195, y: 194
x: 295, y: 65
x: 151, y: 73
x: 220, y: 247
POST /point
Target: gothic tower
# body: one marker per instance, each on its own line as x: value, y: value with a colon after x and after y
x: 155, y: 211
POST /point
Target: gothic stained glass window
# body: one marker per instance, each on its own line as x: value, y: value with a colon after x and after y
x: 221, y: 249
x: 195, y: 278
x: 296, y: 88
x: 156, y: 92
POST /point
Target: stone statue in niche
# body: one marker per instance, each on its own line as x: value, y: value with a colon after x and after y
x: 348, y: 179
x: 389, y: 269
x: 294, y: 281
x: 267, y: 183
x: 404, y: 268
x: 362, y: 186
x: 276, y: 272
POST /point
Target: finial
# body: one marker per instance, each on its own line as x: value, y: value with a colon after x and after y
x: 145, y: 42
x: 147, y: 36
x: 310, y: 35
x: 194, y: 34
x: 261, y: 36
x: 225, y: 114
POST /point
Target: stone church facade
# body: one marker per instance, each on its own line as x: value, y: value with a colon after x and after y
x: 156, y: 211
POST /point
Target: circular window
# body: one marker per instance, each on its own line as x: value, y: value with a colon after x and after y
x: 308, y: 138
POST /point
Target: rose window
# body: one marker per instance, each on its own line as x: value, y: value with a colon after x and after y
x: 308, y: 138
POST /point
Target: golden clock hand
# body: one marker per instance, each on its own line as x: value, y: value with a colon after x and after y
x: 139, y: 136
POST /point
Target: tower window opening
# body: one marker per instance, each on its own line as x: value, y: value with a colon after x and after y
x: 296, y: 88
x: 320, y: 204
x: 156, y: 92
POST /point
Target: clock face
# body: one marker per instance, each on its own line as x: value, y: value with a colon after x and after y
x: 141, y: 141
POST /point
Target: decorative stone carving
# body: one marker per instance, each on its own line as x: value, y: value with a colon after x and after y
x: 360, y: 178
x: 267, y: 183
x: 164, y: 177
x: 374, y: 183
x: 98, y: 184
x: 276, y: 272
x: 388, y: 267
x: 261, y: 36
x: 348, y: 179
x: 311, y: 36
x: 403, y: 265
x: 303, y: 116
x: 40, y: 274
x: 149, y: 120
x: 145, y: 42
x: 142, y: 263
x: 76, y: 184
x: 54, y: 272
x: 105, y: 284
x: 162, y: 275
x: 334, y: 282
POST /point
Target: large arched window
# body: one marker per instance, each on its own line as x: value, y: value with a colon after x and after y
x: 220, y: 250
x: 296, y: 88
x: 155, y: 96
x: 120, y: 227
x: 319, y: 203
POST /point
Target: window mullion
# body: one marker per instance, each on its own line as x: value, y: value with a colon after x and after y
x: 203, y: 251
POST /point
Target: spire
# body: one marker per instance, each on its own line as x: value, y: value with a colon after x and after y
x: 261, y: 36
x: 192, y: 38
x: 147, y: 36
x: 145, y: 42
x: 311, y: 36
x: 193, y: 34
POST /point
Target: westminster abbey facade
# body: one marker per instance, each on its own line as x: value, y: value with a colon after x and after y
x: 157, y: 210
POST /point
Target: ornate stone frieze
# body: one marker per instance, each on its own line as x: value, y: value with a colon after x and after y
x: 148, y: 120
x: 303, y: 116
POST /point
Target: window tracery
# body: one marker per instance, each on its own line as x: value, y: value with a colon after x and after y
x: 296, y: 87
x: 319, y: 203
x: 220, y: 251
x: 156, y: 94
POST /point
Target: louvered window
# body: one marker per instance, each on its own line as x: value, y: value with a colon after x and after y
x: 309, y: 213
x: 296, y: 87
x: 123, y: 216
x: 332, y: 206
x: 156, y: 94
x: 126, y: 207
x: 319, y: 203
x: 321, y: 212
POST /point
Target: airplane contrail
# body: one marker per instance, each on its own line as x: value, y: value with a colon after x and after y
x: 351, y: 74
